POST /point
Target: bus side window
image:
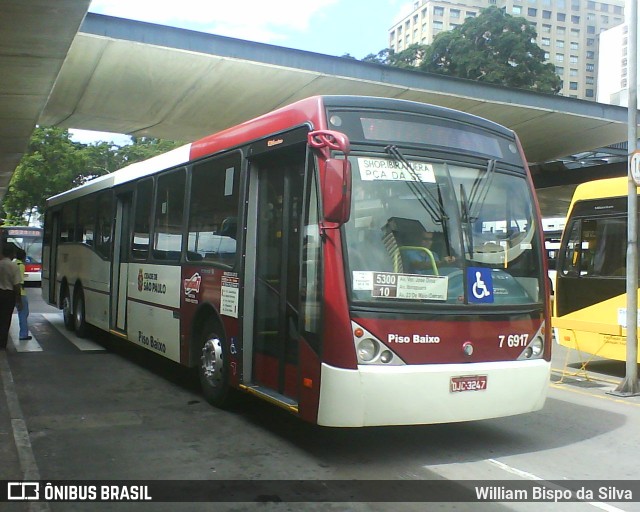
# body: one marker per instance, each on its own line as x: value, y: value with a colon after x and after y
x: 87, y: 217
x: 68, y: 223
x: 167, y: 243
x: 213, y: 210
x: 103, y: 224
x: 141, y: 227
x: 311, y: 271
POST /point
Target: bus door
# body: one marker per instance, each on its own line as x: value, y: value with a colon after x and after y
x: 280, y: 179
x: 51, y: 258
x: 119, y: 268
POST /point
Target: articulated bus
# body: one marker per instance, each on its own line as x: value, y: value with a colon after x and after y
x: 273, y: 257
x: 28, y: 238
x: 590, y: 301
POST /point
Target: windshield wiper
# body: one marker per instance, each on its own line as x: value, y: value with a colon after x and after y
x: 480, y: 189
x: 445, y: 220
x: 466, y: 221
x: 426, y: 198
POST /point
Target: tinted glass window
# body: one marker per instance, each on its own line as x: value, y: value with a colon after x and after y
x: 103, y: 224
x: 596, y: 248
x: 140, y: 242
x: 68, y: 223
x: 86, y: 219
x: 167, y: 244
x: 213, y: 216
x: 455, y: 224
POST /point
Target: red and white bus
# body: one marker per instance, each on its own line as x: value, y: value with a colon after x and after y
x: 276, y: 258
x: 28, y: 238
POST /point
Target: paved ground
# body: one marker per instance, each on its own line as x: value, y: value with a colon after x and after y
x: 100, y: 409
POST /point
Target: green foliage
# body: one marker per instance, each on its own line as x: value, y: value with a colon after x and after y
x: 496, y: 48
x: 408, y: 58
x: 142, y: 148
x: 54, y: 163
x: 493, y: 47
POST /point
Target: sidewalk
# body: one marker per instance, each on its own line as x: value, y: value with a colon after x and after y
x: 13, y: 434
x: 10, y: 467
x: 588, y: 373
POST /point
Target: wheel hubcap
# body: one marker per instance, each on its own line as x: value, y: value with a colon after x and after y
x: 66, y: 307
x: 211, y: 361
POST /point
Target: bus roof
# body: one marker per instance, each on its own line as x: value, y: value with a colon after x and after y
x: 598, y: 189
x: 308, y: 110
x: 130, y: 172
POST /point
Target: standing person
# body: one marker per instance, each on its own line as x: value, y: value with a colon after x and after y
x: 10, y: 292
x: 23, y: 314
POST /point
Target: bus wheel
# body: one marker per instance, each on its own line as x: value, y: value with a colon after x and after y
x: 67, y: 314
x: 213, y: 369
x: 79, y: 315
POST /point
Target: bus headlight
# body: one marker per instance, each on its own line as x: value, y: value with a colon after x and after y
x: 367, y: 350
x: 537, y: 346
x: 370, y: 350
x: 534, y: 350
x: 386, y: 356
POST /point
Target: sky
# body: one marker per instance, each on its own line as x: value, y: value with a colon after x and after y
x: 331, y: 27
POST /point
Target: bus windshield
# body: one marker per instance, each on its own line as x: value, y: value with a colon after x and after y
x: 441, y: 231
x: 28, y: 239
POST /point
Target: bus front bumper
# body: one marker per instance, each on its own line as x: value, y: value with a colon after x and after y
x: 421, y: 394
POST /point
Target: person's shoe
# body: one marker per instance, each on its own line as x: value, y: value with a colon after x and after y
x: 26, y: 338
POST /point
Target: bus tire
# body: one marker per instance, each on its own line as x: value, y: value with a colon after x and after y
x: 79, y: 320
x: 67, y: 313
x: 213, y: 368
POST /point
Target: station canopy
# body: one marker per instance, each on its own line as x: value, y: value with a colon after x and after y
x: 74, y: 69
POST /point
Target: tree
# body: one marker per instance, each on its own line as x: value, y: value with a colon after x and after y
x: 142, y: 148
x: 408, y: 58
x: 54, y: 163
x: 102, y: 158
x: 496, y: 48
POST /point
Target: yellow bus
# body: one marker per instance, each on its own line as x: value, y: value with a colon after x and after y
x: 590, y: 299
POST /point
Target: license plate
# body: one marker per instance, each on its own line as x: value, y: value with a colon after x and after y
x: 468, y: 383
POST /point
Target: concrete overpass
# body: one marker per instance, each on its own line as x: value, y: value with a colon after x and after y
x: 131, y: 77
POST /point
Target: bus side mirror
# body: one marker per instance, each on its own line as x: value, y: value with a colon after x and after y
x: 336, y: 182
x: 336, y: 190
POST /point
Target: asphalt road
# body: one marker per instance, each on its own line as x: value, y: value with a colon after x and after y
x: 99, y: 409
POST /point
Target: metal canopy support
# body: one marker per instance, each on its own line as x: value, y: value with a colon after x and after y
x: 630, y: 386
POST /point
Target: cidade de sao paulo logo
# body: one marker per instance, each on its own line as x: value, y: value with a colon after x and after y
x: 148, y: 281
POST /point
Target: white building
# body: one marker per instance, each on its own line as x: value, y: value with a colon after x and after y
x: 567, y: 31
x: 613, y: 66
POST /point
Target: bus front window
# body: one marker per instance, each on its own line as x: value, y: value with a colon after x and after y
x: 441, y: 232
x: 32, y: 247
x: 596, y: 248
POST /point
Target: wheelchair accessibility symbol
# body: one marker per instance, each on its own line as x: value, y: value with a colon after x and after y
x: 480, y: 285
